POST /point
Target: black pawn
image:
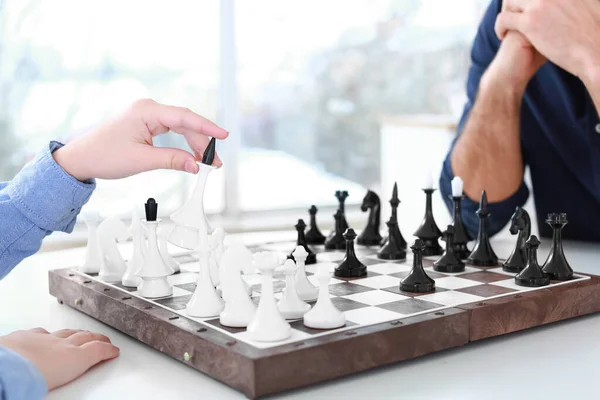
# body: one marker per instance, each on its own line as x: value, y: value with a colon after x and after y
x: 314, y: 235
x: 520, y: 224
x: 209, y: 154
x: 483, y: 255
x: 151, y: 207
x: 461, y: 236
x: 429, y: 232
x: 417, y: 280
x: 336, y: 240
x: 394, y: 203
x: 532, y: 275
x: 350, y: 267
x: 392, y: 250
x: 370, y: 236
x: 449, y: 261
x: 556, y: 265
x: 342, y: 195
x: 301, y: 241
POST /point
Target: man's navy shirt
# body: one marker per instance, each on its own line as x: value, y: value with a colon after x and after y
x: 560, y: 137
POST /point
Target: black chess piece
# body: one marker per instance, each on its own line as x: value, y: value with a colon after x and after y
x: 395, y: 202
x: 341, y: 196
x: 532, y: 275
x: 209, y: 153
x: 350, y: 267
x: 370, y: 236
x: 449, y: 261
x: 301, y: 241
x: 429, y: 232
x: 151, y: 207
x: 519, y: 223
x: 417, y: 280
x: 483, y: 255
x: 392, y: 250
x: 314, y: 235
x: 556, y: 265
x: 461, y: 236
x: 336, y: 240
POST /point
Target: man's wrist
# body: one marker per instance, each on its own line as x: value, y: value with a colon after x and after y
x: 496, y: 84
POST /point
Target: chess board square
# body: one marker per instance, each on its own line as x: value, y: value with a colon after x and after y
x: 344, y: 305
x: 396, y: 289
x: 486, y: 290
x: 314, y: 279
x: 410, y: 306
x: 510, y: 283
x: 374, y: 257
x: 299, y: 325
x: 451, y: 298
x: 453, y: 282
x: 370, y: 315
x: 297, y: 336
x: 466, y: 271
x: 389, y: 268
x: 369, y: 275
x: 215, y: 322
x: 501, y: 271
x: 182, y: 278
x: 432, y: 275
x: 175, y: 303
x: 331, y: 256
x: 375, y: 297
x: 282, y: 247
x: 484, y: 276
x: 346, y: 288
x: 368, y: 261
x: 378, y: 282
x: 188, y: 287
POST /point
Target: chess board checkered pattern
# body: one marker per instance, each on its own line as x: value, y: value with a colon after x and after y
x: 369, y: 300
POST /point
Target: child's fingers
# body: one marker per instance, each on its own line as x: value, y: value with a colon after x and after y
x: 65, y: 333
x: 95, y: 352
x: 39, y: 330
x: 81, y: 338
x: 178, y: 118
x: 167, y: 158
x: 198, y: 144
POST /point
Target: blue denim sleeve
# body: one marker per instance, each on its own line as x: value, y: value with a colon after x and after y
x: 19, y: 378
x: 485, y: 47
x: 41, y: 199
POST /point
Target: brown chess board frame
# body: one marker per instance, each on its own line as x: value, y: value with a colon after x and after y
x: 258, y: 372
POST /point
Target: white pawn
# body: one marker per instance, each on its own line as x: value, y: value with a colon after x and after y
x: 324, y: 315
x: 290, y: 305
x: 205, y: 301
x: 93, y: 257
x: 163, y: 237
x: 137, y: 257
x: 239, y: 307
x: 306, y: 290
x: 268, y: 324
x: 112, y: 266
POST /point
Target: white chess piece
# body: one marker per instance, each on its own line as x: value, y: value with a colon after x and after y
x: 268, y: 324
x: 93, y: 257
x: 290, y: 305
x: 205, y: 301
x: 246, y: 262
x: 212, y: 261
x: 239, y: 307
x: 154, y: 270
x: 163, y: 236
x: 191, y: 219
x: 324, y: 315
x: 306, y: 290
x: 137, y: 256
x: 112, y: 266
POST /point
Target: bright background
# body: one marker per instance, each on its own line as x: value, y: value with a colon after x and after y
x: 318, y: 95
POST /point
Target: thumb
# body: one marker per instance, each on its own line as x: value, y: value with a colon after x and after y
x: 169, y: 158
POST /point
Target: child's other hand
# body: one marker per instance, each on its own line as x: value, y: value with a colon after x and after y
x: 123, y: 146
x: 61, y: 356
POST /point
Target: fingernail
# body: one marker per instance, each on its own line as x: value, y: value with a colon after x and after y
x: 190, y: 167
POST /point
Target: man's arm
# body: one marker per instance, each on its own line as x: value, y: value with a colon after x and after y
x: 41, y: 199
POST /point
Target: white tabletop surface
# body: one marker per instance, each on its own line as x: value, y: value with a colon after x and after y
x: 558, y: 361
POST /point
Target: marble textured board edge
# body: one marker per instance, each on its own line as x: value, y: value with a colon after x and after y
x: 531, y: 309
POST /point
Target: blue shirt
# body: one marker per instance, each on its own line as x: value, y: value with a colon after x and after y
x: 559, y: 141
x: 41, y: 199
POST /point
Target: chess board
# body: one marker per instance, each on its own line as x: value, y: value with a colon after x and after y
x: 383, y: 324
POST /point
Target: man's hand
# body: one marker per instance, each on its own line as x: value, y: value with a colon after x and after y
x: 565, y: 32
x: 123, y: 147
x: 61, y: 356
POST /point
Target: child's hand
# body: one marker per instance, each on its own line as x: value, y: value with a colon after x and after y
x: 123, y: 146
x: 61, y: 356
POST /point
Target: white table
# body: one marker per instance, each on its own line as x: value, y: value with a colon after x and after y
x: 490, y: 369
